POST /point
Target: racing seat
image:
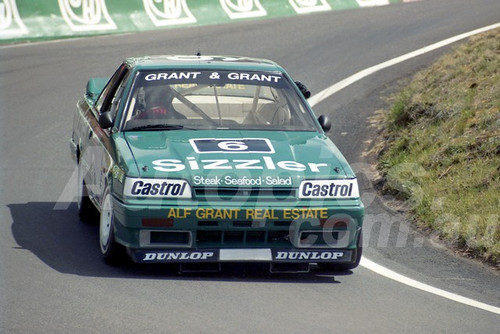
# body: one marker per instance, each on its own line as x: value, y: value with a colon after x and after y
x: 274, y: 114
x: 269, y: 113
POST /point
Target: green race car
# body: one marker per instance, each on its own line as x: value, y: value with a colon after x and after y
x: 197, y: 159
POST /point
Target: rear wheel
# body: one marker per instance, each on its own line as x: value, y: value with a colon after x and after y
x: 112, y: 252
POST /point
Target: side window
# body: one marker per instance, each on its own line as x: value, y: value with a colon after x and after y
x: 117, y: 97
x: 110, y: 91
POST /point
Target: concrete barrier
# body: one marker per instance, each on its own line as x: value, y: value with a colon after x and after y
x: 28, y: 20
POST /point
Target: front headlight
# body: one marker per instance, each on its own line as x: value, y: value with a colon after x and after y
x: 157, y: 188
x: 329, y: 189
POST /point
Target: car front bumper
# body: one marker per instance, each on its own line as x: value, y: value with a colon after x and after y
x: 238, y: 233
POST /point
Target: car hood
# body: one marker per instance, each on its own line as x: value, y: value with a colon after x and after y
x: 236, y: 158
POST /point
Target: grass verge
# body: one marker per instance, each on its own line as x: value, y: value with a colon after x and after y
x: 441, y: 150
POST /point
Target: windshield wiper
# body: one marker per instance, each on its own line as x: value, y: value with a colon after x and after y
x: 157, y: 127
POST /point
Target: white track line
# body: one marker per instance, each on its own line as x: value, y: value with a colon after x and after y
x: 326, y: 93
x: 368, y: 264
x: 425, y: 287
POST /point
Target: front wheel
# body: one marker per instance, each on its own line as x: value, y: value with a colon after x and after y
x: 346, y: 266
x: 86, y: 209
x: 111, y: 251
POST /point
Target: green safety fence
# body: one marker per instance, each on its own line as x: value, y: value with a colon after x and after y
x: 25, y: 20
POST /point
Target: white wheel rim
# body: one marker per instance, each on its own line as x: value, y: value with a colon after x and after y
x: 106, y: 223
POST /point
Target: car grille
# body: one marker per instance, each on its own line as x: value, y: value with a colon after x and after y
x: 208, y: 233
x: 242, y: 238
x: 241, y: 233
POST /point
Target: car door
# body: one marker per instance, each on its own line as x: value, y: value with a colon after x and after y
x: 99, y: 139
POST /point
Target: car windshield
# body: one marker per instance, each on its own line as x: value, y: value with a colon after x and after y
x: 194, y: 99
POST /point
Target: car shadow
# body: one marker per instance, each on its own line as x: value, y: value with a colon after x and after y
x: 68, y: 245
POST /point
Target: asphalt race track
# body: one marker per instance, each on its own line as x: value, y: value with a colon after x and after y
x: 52, y: 279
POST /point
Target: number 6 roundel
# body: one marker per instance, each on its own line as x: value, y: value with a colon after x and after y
x: 232, y: 145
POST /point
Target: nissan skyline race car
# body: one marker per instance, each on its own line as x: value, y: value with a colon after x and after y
x: 197, y: 159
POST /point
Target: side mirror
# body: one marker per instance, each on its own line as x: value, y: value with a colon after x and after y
x: 105, y: 120
x: 303, y: 89
x: 325, y: 123
x: 95, y: 87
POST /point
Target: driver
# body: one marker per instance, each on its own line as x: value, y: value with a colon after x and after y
x: 159, y: 104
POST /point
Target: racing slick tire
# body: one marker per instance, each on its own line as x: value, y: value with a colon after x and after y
x: 112, y: 252
x: 345, y: 266
x: 86, y: 209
